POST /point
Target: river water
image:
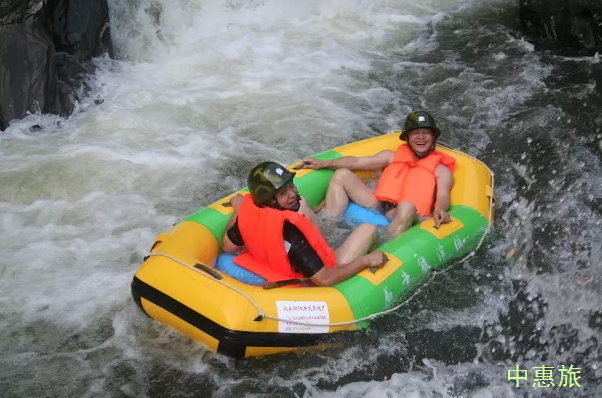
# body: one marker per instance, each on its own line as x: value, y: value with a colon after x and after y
x: 202, y: 91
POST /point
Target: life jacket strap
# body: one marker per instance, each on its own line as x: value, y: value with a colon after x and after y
x: 288, y: 282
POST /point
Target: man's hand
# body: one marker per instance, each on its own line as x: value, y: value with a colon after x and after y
x: 312, y: 163
x: 376, y: 259
x: 236, y: 200
x: 441, y: 217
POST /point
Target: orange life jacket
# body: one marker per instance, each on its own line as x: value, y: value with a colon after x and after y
x: 408, y: 179
x: 261, y: 231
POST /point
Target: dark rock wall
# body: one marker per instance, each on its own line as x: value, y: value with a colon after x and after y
x: 80, y: 27
x: 575, y: 24
x: 44, y: 49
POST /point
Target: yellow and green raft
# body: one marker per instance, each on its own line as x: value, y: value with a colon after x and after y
x: 178, y: 286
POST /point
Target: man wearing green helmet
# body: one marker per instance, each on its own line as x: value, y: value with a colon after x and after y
x: 279, y: 230
x: 413, y: 176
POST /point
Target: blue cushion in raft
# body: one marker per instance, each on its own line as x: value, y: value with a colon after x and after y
x: 354, y: 212
x: 225, y: 263
x: 359, y: 214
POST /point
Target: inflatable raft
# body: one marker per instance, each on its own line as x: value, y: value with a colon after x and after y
x: 185, y: 283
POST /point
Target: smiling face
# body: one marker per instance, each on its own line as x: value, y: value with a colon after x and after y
x: 289, y: 197
x: 421, y: 140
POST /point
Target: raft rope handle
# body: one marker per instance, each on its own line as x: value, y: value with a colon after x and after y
x: 261, y: 315
x: 207, y: 275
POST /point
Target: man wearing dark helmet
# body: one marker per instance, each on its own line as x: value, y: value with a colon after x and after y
x: 279, y: 230
x: 413, y: 176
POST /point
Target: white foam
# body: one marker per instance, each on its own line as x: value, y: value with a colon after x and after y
x: 417, y: 384
x: 194, y: 100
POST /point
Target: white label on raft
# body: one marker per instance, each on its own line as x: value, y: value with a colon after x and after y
x: 302, y: 311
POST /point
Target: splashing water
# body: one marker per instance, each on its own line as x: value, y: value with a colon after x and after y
x: 203, y: 90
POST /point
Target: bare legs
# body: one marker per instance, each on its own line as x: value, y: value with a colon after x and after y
x: 402, y: 218
x: 361, y: 241
x: 345, y: 185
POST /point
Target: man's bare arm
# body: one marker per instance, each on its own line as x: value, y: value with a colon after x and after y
x: 227, y: 245
x: 445, y: 182
x: 307, y: 211
x: 331, y: 276
x: 367, y: 163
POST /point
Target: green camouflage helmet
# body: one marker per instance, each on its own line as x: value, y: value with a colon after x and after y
x: 419, y: 119
x: 266, y: 180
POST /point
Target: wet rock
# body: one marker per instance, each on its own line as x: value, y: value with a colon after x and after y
x: 45, y: 47
x: 576, y: 24
x: 14, y: 11
x: 28, y: 79
x: 80, y: 27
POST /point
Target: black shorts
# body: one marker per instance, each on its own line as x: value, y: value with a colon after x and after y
x: 384, y: 206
